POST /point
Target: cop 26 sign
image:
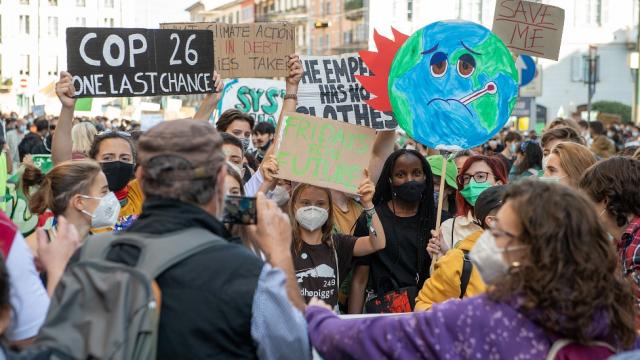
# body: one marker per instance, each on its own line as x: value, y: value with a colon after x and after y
x: 118, y: 62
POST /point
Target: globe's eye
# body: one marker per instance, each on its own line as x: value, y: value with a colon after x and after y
x: 466, y: 65
x: 439, y: 64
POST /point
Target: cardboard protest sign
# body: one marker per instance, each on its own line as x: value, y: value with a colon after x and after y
x: 330, y: 89
x: 255, y: 50
x: 531, y: 28
x: 453, y: 83
x: 322, y: 152
x: 260, y: 98
x: 118, y: 62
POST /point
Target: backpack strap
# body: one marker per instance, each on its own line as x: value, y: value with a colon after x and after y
x: 157, y: 252
x: 467, y: 266
x: 96, y: 246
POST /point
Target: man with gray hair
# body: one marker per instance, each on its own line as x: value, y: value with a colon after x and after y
x: 222, y: 302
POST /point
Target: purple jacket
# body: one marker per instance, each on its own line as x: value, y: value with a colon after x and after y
x: 472, y: 328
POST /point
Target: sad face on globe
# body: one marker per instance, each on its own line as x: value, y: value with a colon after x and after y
x: 451, y: 84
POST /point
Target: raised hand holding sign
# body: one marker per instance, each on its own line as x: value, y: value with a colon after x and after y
x: 118, y: 62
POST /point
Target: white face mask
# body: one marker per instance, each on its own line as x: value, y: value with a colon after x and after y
x: 280, y: 195
x: 551, y: 179
x: 545, y: 162
x: 312, y: 217
x: 106, y: 214
x: 487, y: 257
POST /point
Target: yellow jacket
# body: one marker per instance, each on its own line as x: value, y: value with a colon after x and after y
x: 444, y: 283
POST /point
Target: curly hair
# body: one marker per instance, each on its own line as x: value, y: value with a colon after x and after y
x: 570, y: 278
x: 615, y: 181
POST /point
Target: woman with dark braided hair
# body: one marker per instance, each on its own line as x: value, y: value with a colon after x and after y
x: 404, y: 202
x: 553, y: 279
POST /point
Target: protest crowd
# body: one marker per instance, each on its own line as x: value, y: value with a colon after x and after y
x: 188, y: 241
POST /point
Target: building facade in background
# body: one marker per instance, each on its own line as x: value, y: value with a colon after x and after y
x: 607, y: 24
x: 33, y: 47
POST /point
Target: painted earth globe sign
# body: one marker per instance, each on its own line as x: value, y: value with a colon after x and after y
x: 451, y: 85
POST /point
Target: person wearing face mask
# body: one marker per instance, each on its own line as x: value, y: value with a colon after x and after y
x: 262, y: 137
x: 567, y: 162
x: 613, y: 186
x: 281, y: 193
x: 235, y: 302
x: 449, y: 203
x: 454, y: 276
x: 113, y: 150
x: 511, y: 142
x: 404, y: 202
x: 528, y: 161
x: 321, y: 258
x: 552, y: 275
x: 477, y: 175
x: 239, y: 125
x: 77, y: 190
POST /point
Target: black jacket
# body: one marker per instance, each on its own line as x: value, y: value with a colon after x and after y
x: 207, y: 298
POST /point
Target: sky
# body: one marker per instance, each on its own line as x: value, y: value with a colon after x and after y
x: 149, y: 13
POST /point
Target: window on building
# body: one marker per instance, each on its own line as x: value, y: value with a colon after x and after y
x: 593, y: 12
x: 24, y: 24
x: 108, y: 3
x: 52, y: 66
x: 53, y: 2
x: 469, y: 10
x: 326, y: 8
x: 409, y: 10
x: 52, y: 26
x: 0, y: 29
x: 109, y: 22
x: 238, y: 17
x: 25, y: 64
x: 24, y: 2
x: 81, y: 3
x: 81, y: 21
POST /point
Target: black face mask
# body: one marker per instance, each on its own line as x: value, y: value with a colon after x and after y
x: 118, y: 174
x: 265, y: 147
x: 410, y: 192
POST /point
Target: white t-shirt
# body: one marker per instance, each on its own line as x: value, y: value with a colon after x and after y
x: 463, y: 227
x: 29, y: 297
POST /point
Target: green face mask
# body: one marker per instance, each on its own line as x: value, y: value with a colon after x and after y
x: 472, y: 191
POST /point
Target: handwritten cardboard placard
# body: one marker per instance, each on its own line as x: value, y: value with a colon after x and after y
x: 529, y: 28
x: 330, y: 89
x: 119, y: 62
x: 321, y: 152
x: 258, y: 50
x: 260, y: 98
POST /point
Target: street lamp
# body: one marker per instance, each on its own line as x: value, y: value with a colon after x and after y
x: 591, y: 76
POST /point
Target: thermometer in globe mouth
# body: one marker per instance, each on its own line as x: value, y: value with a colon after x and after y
x: 489, y: 88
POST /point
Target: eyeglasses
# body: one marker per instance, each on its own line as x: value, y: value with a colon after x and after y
x: 480, y: 177
x: 120, y: 133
